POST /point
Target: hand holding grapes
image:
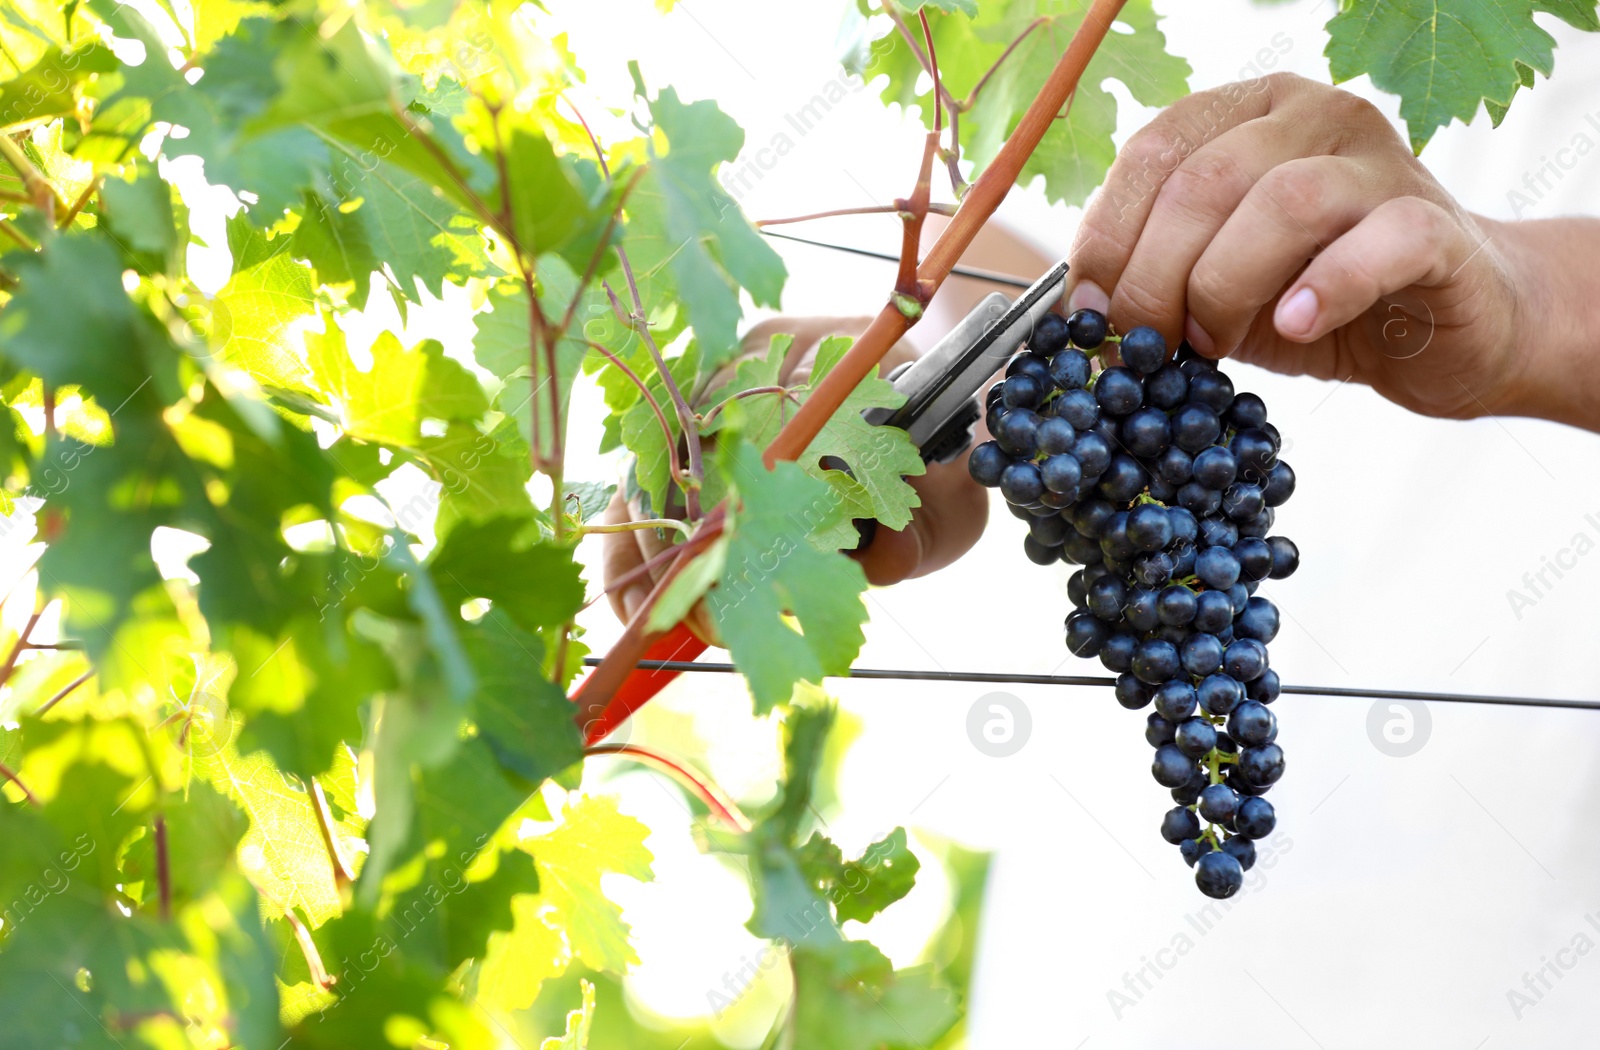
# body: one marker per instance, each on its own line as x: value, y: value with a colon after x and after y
x: 1285, y: 223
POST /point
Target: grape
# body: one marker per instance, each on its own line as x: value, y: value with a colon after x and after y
x: 1030, y: 364
x: 1167, y: 388
x: 1039, y: 553
x: 1195, y: 427
x: 1051, y: 334
x: 1021, y: 391
x: 1170, y: 766
x: 1175, y: 700
x: 1242, y: 850
x: 1143, y: 350
x: 1247, y: 410
x: 1132, y: 693
x: 986, y: 463
x: 1070, y: 370
x: 1093, y: 453
x: 1021, y: 483
x: 1285, y: 556
x: 1017, y: 431
x: 1050, y: 531
x: 1119, y: 391
x: 1261, y: 766
x: 1218, y: 875
x: 1256, y: 818
x: 1176, y: 605
x: 1202, y: 655
x: 1062, y: 473
x: 1280, y: 484
x: 1195, y: 737
x: 1219, y: 803
x: 1079, y: 408
x: 1146, y: 432
x: 1163, y: 483
x: 1179, y: 824
x: 1149, y: 527
x: 1218, y: 694
x: 1252, y: 724
x: 1087, y: 328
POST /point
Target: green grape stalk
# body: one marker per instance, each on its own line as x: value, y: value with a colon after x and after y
x: 288, y: 741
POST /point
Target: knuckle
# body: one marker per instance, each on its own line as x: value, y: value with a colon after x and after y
x: 1209, y: 293
x: 1300, y: 188
x: 1102, y: 238
x: 1207, y: 186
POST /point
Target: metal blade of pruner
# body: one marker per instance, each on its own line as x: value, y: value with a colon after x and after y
x: 941, y: 387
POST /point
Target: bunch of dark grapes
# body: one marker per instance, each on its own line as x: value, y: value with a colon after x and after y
x: 1163, y: 483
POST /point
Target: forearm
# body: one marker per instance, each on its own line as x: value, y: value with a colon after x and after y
x: 1554, y: 265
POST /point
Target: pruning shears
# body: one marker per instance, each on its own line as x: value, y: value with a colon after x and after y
x: 941, y: 408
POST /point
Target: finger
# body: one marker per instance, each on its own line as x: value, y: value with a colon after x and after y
x: 620, y: 555
x: 1118, y: 212
x: 952, y: 517
x: 1403, y: 242
x: 1293, y: 212
x: 1194, y: 204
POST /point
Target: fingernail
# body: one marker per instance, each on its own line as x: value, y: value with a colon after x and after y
x: 1199, y: 338
x: 634, y: 597
x: 1086, y: 295
x: 1298, y: 313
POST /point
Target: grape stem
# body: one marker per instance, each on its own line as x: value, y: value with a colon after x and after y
x: 10, y: 774
x: 65, y: 691
x: 635, y: 526
x: 163, y: 868
x: 870, y: 209
x: 752, y: 392
x: 676, y: 463
x: 308, y: 948
x: 701, y: 787
x: 40, y: 189
x: 977, y: 205
x: 343, y: 877
x: 10, y: 664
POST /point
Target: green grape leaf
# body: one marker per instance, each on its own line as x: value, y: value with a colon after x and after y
x: 966, y: 7
x: 1078, y: 149
x: 139, y: 216
x: 525, y: 719
x: 103, y: 344
x: 685, y: 228
x: 481, y: 476
x: 535, y: 584
x: 303, y: 693
x: 203, y: 832
x: 852, y: 998
x: 772, y: 569
x: 267, y: 293
x: 861, y: 888
x: 386, y: 219
x: 579, y: 1022
x: 52, y: 86
x: 1444, y: 57
x: 389, y: 402
x: 642, y: 433
x: 593, y: 839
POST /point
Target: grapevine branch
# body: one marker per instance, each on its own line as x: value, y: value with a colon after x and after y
x: 163, y: 867
x: 10, y: 774
x: 714, y: 798
x: 65, y: 691
x: 979, y: 203
x: 655, y: 406
x: 343, y: 877
x: 637, y: 320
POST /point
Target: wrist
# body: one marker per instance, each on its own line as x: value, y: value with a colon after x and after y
x: 1555, y: 302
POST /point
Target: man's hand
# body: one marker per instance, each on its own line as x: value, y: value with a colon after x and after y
x: 1284, y: 222
x: 952, y: 516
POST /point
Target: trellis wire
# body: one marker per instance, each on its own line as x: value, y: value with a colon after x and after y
x: 993, y: 276
x: 998, y: 678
